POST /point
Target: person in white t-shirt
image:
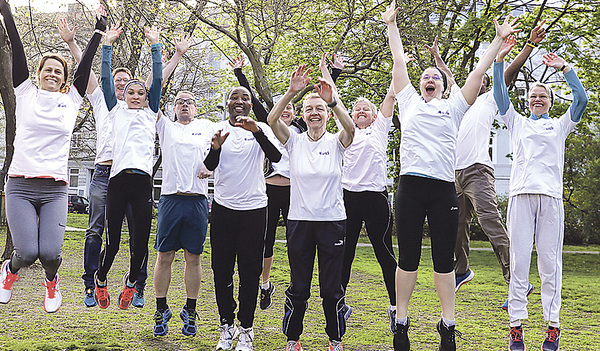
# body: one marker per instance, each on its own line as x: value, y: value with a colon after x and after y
x: 364, y: 181
x: 475, y: 181
x: 317, y: 218
x: 130, y: 184
x: 426, y: 186
x: 103, y: 162
x: 183, y: 207
x: 36, y: 190
x: 238, y: 214
x: 535, y: 211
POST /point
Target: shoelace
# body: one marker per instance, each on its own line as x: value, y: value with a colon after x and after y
x: 11, y: 278
x: 102, y: 292
x: 336, y: 347
x: 516, y: 335
x: 128, y: 293
x: 226, y: 333
x: 51, y: 286
x: 552, y: 335
x: 158, y: 317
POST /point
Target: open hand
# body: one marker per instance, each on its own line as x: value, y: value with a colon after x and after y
x: 553, y: 60
x: 112, y: 34
x: 434, y: 49
x: 67, y: 35
x: 508, y: 27
x: 389, y: 16
x: 152, y: 34
x: 238, y: 62
x: 218, y: 139
x: 325, y: 90
x: 505, y: 48
x: 538, y: 33
x: 299, y: 79
x: 183, y: 44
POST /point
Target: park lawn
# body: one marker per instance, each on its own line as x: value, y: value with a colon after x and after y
x: 25, y: 325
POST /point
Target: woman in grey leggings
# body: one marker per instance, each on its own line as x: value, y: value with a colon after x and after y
x: 36, y: 191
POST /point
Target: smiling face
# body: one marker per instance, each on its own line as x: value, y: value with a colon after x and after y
x: 314, y: 112
x: 288, y: 114
x: 52, y: 75
x: 185, y: 107
x: 135, y: 96
x: 539, y: 100
x: 239, y: 103
x: 121, y: 78
x: 363, y: 113
x: 432, y: 84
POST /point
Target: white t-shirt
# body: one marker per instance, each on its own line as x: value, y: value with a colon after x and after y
x: 472, y: 143
x: 316, y: 178
x: 184, y: 148
x: 365, y: 160
x: 134, y: 133
x: 429, y: 133
x: 45, y: 122
x: 538, y: 153
x: 239, y: 178
x: 104, y: 139
x: 283, y: 166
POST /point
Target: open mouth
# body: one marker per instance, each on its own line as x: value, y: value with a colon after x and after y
x: 239, y: 109
x: 429, y: 89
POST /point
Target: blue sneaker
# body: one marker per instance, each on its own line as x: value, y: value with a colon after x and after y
x: 530, y: 289
x: 189, y: 321
x: 552, y: 338
x: 160, y: 319
x: 516, y: 339
x: 462, y: 279
x: 138, y: 298
x: 90, y: 297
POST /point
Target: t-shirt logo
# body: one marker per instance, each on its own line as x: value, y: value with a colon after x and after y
x: 447, y: 113
x: 324, y: 153
x: 550, y: 128
x: 61, y: 105
x: 198, y: 133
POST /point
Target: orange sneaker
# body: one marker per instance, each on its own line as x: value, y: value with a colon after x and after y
x: 102, y: 296
x: 126, y: 296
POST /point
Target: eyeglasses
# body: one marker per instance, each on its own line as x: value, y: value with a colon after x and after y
x: 185, y: 102
x: 434, y: 77
x: 121, y: 80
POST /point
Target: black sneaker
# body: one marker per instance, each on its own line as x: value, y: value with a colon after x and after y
x: 552, y: 338
x: 447, y: 337
x: 401, y: 342
x: 266, y: 296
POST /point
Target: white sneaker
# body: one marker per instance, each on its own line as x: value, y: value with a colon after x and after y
x: 53, y: 299
x: 245, y: 340
x: 6, y: 282
x: 228, y: 333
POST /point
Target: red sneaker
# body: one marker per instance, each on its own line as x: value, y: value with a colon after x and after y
x: 102, y: 296
x: 126, y: 296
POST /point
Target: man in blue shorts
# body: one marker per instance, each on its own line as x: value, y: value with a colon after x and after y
x: 183, y: 207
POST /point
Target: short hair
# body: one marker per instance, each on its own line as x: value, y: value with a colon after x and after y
x: 546, y: 87
x: 366, y: 101
x: 122, y: 69
x: 185, y: 92
x: 232, y: 89
x: 63, y: 62
x: 311, y: 96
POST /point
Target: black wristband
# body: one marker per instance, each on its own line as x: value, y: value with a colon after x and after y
x: 333, y: 103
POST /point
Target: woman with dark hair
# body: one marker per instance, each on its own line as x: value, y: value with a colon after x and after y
x: 426, y: 187
x: 130, y: 184
x: 36, y: 191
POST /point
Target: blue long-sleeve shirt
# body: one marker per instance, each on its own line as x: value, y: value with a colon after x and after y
x: 577, y: 108
x: 108, y: 85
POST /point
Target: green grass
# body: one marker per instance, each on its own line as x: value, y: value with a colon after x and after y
x: 25, y: 325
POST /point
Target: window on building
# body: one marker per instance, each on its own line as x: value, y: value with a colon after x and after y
x: 74, y: 177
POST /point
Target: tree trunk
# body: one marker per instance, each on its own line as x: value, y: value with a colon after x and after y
x: 9, y: 101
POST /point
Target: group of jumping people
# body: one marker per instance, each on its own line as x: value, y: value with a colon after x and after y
x: 325, y: 185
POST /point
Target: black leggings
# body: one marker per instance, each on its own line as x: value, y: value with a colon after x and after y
x: 279, y: 201
x: 123, y: 190
x: 416, y: 198
x: 374, y: 209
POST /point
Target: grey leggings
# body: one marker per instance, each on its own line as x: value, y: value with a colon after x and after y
x: 36, y: 209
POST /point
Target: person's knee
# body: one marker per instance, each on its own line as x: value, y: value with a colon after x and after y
x: 165, y: 258
x: 50, y: 259
x: 191, y: 259
x: 25, y: 258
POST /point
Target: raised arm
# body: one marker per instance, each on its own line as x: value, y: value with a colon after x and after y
x: 387, y: 105
x: 328, y: 93
x: 439, y: 63
x: 82, y: 74
x: 68, y: 36
x: 106, y: 78
x: 181, y: 47
x: 298, y: 81
x: 153, y: 36
x: 580, y: 99
x: 20, y: 71
x: 399, y: 72
x: 535, y: 37
x: 337, y: 65
x: 212, y: 159
x: 472, y: 85
x: 257, y: 107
